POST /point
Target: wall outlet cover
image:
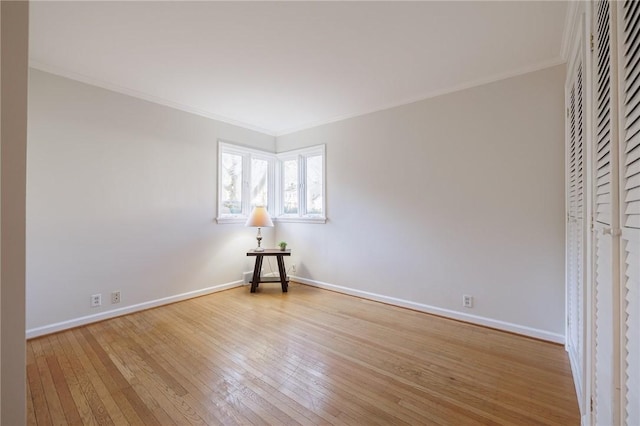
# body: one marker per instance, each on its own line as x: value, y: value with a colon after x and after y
x: 467, y: 301
x: 96, y: 300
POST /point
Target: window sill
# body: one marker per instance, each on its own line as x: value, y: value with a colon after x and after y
x: 291, y: 219
x: 283, y: 219
x: 231, y: 219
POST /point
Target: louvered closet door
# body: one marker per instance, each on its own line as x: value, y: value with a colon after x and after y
x: 575, y: 218
x: 630, y: 208
x: 606, y: 362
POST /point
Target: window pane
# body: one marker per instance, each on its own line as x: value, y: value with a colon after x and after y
x: 290, y: 186
x: 314, y: 184
x: 259, y: 170
x: 231, y: 175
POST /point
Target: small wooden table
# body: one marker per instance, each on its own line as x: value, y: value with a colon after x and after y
x: 279, y: 254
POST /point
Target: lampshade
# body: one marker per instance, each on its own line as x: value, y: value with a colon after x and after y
x: 259, y: 217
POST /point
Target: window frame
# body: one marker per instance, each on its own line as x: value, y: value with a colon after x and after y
x: 301, y: 156
x: 275, y: 182
x: 247, y: 155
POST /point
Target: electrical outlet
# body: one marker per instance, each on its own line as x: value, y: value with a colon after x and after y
x: 96, y: 300
x: 293, y: 268
x: 467, y: 301
x: 115, y: 297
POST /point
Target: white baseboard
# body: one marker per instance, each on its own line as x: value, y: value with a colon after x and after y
x: 474, y: 319
x: 76, y: 322
x: 248, y: 276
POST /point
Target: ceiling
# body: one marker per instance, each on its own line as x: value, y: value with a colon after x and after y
x: 278, y: 67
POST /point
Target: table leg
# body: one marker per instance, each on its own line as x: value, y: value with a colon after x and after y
x: 256, y: 274
x: 283, y: 274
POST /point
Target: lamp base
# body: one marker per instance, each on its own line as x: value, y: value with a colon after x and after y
x: 258, y: 249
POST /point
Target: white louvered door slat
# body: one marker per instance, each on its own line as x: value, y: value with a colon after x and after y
x: 578, y: 325
x: 603, y: 133
x: 631, y: 175
x: 605, y: 251
x: 631, y: 347
x: 631, y: 111
x: 630, y: 209
x: 575, y: 155
x: 572, y: 172
x: 605, y: 369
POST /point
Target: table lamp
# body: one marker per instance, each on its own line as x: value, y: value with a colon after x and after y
x: 259, y: 218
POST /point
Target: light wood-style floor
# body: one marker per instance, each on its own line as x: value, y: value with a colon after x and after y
x: 307, y: 357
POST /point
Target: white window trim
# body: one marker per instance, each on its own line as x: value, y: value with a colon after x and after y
x: 300, y: 219
x: 274, y: 187
x: 301, y: 155
x: 247, y: 154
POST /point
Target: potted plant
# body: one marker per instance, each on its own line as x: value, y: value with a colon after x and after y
x: 283, y: 245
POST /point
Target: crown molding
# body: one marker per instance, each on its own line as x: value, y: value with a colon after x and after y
x: 144, y: 96
x: 428, y: 95
x: 423, y: 96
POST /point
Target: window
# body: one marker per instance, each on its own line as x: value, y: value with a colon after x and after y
x: 302, y: 185
x: 314, y: 175
x: 231, y: 175
x: 259, y: 182
x: 245, y: 179
x: 290, y: 185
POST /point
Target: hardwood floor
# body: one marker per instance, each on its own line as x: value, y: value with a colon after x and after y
x: 306, y: 357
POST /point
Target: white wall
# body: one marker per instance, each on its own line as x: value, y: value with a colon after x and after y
x: 459, y: 194
x: 121, y: 195
x: 14, y: 24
